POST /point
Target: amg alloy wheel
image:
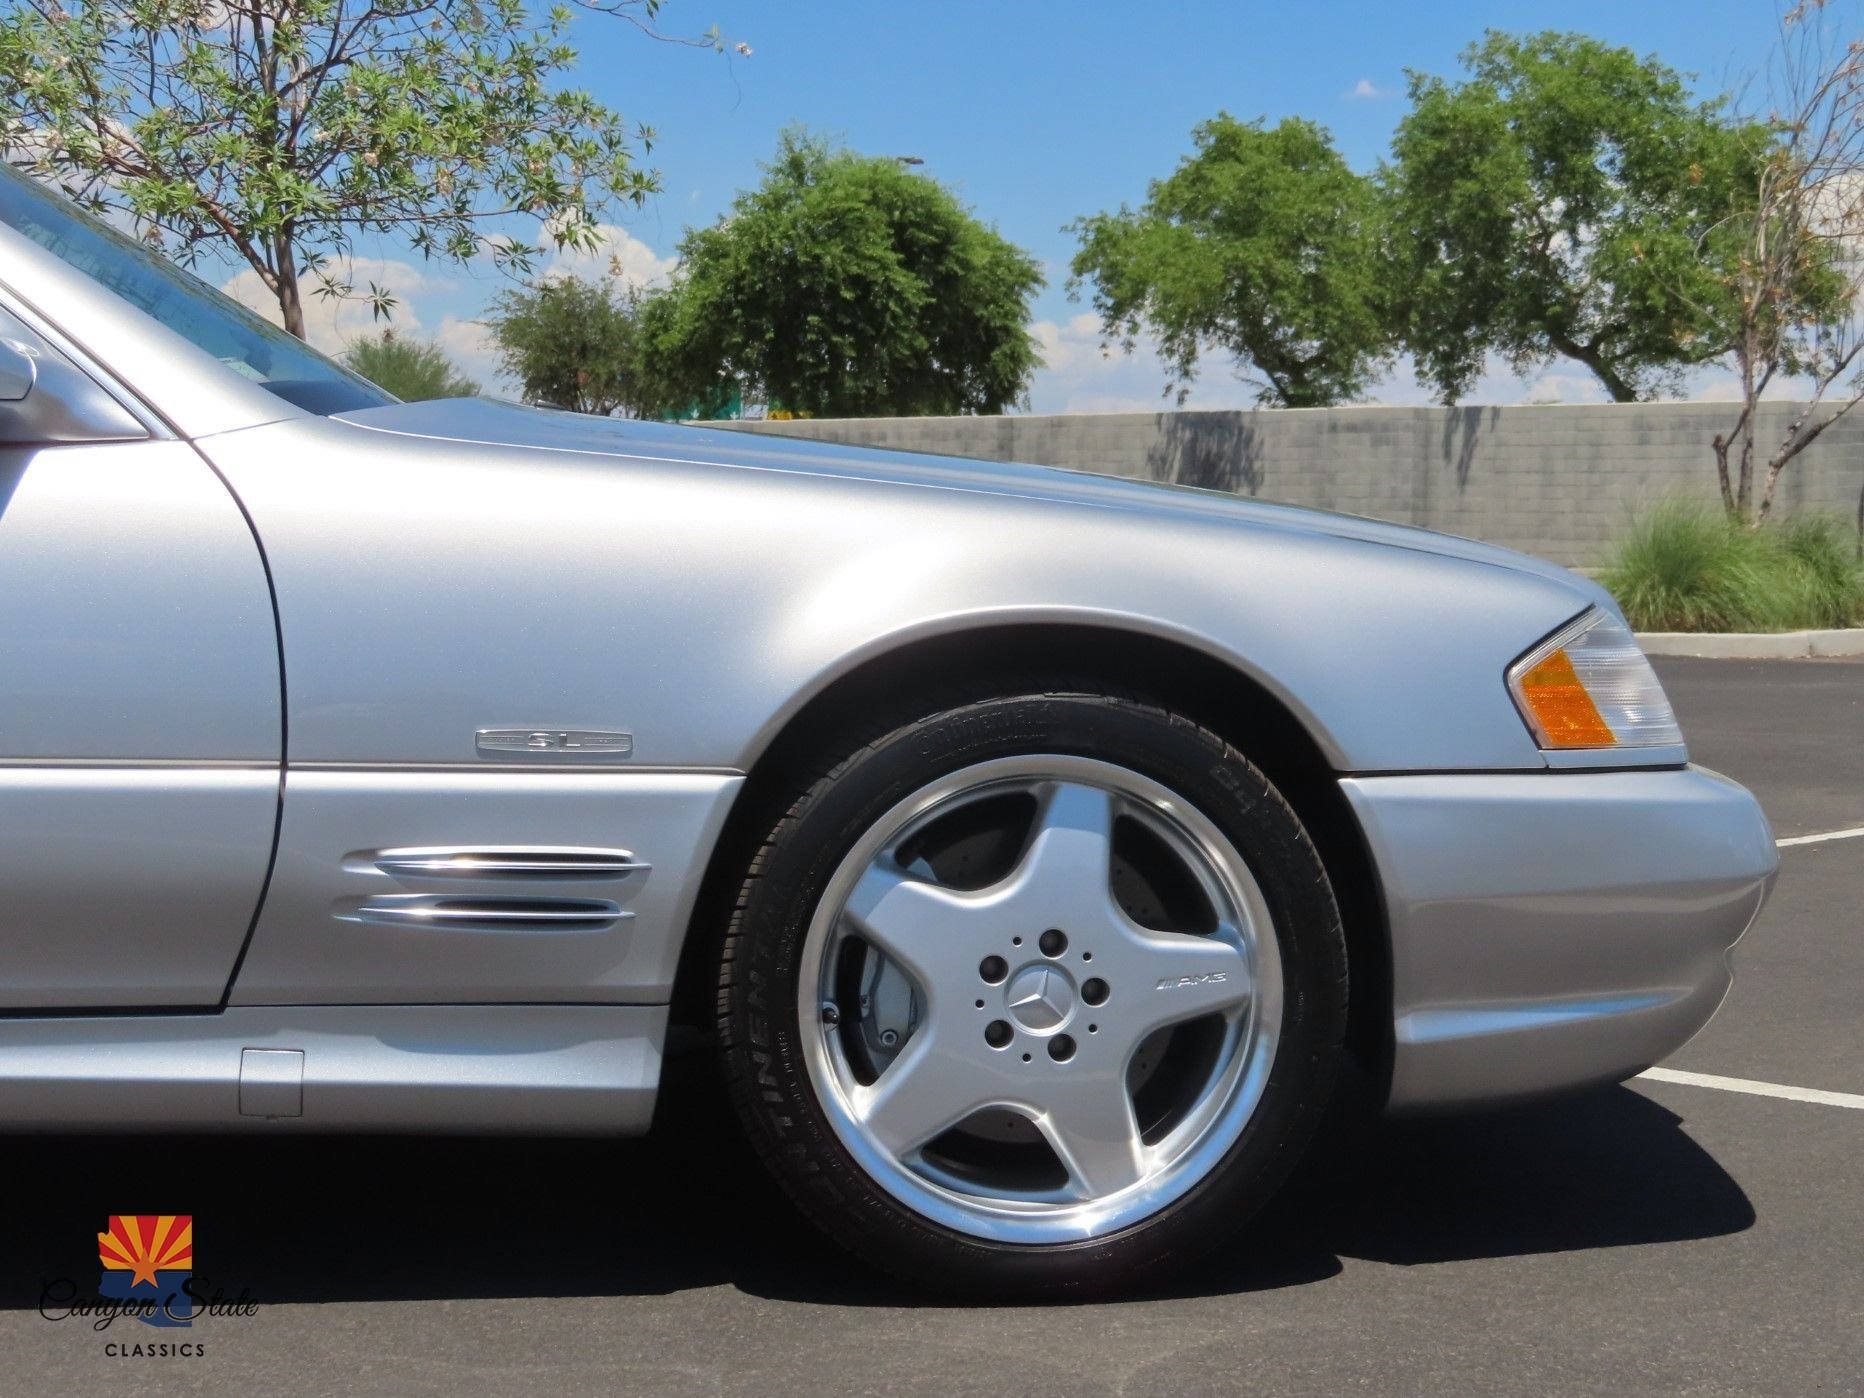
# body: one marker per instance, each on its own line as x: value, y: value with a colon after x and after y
x: 1034, y: 994
x: 1014, y: 1046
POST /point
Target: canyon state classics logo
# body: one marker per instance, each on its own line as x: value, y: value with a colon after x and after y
x: 149, y: 1258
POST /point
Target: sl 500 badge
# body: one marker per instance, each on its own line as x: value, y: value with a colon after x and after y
x: 580, y: 742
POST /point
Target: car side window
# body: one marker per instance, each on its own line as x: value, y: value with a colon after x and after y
x: 239, y: 338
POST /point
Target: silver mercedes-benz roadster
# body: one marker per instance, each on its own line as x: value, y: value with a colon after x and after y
x: 1043, y: 852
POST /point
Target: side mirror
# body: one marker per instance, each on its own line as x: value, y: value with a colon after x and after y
x: 19, y: 370
x: 45, y: 399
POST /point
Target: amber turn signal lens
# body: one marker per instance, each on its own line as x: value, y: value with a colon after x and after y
x: 1562, y: 709
x: 1591, y: 687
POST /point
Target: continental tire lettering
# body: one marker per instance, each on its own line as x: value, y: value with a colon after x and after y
x: 765, y: 1077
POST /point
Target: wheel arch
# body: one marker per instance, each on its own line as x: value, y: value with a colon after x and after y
x: 1221, y: 696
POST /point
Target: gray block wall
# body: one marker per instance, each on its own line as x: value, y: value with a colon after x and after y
x: 1559, y: 481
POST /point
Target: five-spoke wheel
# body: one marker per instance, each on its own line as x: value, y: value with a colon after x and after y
x: 1121, y: 937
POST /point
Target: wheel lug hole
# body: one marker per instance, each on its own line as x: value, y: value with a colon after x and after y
x: 993, y: 969
x: 1016, y: 941
x: 1053, y: 942
x: 1087, y: 956
x: 997, y: 1033
x: 1093, y: 1028
x: 1061, y: 1048
x: 1025, y: 1058
x: 980, y: 1004
x: 1094, y: 991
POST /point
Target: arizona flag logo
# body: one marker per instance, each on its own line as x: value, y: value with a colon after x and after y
x: 149, y: 1257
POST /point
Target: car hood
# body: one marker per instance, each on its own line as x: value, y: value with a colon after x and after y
x: 490, y: 422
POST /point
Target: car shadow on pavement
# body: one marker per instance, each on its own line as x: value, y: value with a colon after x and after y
x: 350, y: 1218
x: 1605, y: 1168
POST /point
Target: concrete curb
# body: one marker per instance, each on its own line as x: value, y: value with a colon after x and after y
x: 1754, y: 645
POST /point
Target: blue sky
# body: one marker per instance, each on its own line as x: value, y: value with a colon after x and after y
x: 1036, y: 112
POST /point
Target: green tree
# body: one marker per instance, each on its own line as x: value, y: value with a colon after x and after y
x: 577, y: 344
x: 846, y: 286
x: 279, y: 130
x: 412, y: 370
x: 1262, y: 243
x: 1557, y: 203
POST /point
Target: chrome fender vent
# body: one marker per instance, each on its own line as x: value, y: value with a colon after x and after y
x: 508, y: 862
x: 417, y: 910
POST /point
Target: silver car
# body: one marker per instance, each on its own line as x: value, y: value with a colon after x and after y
x: 1044, y: 853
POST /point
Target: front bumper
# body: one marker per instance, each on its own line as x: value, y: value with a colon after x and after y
x: 1553, y: 929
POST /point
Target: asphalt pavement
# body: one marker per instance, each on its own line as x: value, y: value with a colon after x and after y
x: 1658, y: 1237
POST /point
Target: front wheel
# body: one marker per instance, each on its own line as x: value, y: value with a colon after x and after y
x: 1035, y: 995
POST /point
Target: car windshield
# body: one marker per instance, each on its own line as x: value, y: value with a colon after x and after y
x: 244, y: 342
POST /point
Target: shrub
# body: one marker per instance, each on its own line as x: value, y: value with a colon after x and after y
x: 412, y: 370
x: 1824, y: 577
x: 579, y: 345
x: 1687, y: 566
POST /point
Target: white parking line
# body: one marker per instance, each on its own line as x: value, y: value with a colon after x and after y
x: 1758, y: 1089
x: 1821, y: 839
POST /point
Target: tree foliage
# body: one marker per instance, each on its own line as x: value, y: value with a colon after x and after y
x: 1262, y: 243
x: 846, y: 286
x: 281, y: 130
x: 1558, y: 202
x: 577, y: 344
x: 412, y: 370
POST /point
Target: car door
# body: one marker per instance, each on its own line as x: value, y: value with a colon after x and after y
x: 140, y: 705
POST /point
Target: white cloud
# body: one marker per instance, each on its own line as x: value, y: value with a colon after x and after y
x: 1559, y: 382
x: 617, y: 252
x: 1719, y: 384
x: 469, y: 344
x: 1365, y: 90
x: 332, y: 322
x: 1079, y: 376
x: 1726, y: 389
x: 1556, y: 385
x: 1065, y: 347
x: 424, y: 300
x: 1565, y: 382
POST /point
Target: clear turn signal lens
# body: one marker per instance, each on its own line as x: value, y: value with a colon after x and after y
x: 1591, y: 687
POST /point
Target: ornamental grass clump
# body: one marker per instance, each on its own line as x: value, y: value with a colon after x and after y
x: 1823, y: 578
x: 1688, y: 566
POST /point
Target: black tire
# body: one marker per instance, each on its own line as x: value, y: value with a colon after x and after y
x: 807, y: 834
